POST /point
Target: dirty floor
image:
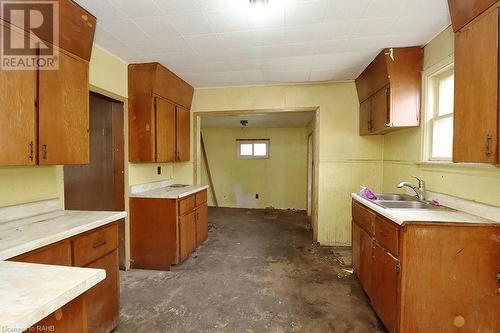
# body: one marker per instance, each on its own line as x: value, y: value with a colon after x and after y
x: 257, y: 272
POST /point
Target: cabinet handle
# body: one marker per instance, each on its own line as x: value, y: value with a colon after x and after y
x: 489, y: 138
x: 31, y: 151
x: 44, y: 152
x: 99, y: 243
x: 369, y: 125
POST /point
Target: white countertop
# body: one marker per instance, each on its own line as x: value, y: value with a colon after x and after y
x: 169, y: 192
x: 403, y: 216
x: 30, y: 292
x: 27, y: 234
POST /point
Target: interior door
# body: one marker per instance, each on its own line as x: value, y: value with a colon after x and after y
x: 381, y: 110
x: 64, y: 112
x: 165, y: 130
x: 187, y: 231
x: 18, y: 114
x: 183, y: 117
x: 475, y: 136
x: 385, y: 278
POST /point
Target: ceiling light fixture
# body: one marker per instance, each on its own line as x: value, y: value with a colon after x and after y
x: 258, y: 2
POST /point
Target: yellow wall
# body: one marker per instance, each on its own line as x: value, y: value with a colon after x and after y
x: 346, y: 160
x: 403, y: 149
x: 280, y: 180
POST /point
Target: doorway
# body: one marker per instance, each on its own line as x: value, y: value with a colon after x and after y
x: 100, y: 185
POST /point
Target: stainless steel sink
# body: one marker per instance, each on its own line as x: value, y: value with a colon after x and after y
x: 395, y: 197
x: 409, y: 205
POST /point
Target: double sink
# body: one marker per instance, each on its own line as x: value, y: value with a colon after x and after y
x: 404, y: 201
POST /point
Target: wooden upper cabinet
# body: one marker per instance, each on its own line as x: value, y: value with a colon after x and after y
x: 18, y: 114
x: 165, y: 130
x: 64, y: 112
x: 389, y: 91
x: 183, y: 117
x: 76, y: 28
x: 476, y: 117
x: 150, y: 125
x: 464, y: 11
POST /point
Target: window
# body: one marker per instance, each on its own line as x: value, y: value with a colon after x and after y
x: 439, y: 115
x: 253, y: 148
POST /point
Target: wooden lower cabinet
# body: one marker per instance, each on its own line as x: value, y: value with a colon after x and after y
x: 163, y: 232
x: 385, y: 286
x: 428, y: 277
x: 70, y: 318
x: 187, y: 232
x: 103, y: 300
x: 97, y: 248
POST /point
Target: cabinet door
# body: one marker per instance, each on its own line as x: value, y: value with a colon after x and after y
x: 385, y: 281
x: 70, y: 318
x: 187, y: 230
x: 165, y: 130
x: 18, y: 114
x: 183, y: 133
x: 464, y: 11
x: 356, y: 247
x: 103, y: 299
x: 365, y: 120
x: 475, y: 136
x: 201, y: 224
x: 365, y: 262
x: 64, y: 112
x: 380, y: 110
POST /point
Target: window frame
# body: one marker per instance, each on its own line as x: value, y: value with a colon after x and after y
x: 239, y: 142
x: 431, y: 79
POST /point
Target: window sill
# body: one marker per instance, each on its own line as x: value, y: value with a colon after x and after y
x: 456, y: 165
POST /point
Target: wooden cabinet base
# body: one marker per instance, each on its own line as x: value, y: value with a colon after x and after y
x: 428, y: 277
x: 70, y: 318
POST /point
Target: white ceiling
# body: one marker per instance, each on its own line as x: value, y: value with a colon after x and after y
x: 268, y: 120
x: 228, y: 42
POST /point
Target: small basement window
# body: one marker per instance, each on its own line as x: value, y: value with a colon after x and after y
x: 253, y: 148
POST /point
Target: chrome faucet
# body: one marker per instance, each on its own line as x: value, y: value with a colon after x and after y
x: 419, y: 190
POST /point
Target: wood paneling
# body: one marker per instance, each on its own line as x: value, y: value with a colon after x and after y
x: 476, y: 115
x: 64, y: 112
x: 187, y: 235
x: 165, y: 130
x: 183, y: 123
x: 385, y: 287
x: 18, y: 118
x: 72, y: 317
x: 201, y: 224
x: 103, y: 300
x: 95, y: 244
x: 153, y: 233
x: 365, y: 217
x: 450, y: 276
x: 464, y: 11
x: 54, y: 254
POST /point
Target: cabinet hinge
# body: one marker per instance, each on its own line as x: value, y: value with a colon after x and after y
x: 398, y: 268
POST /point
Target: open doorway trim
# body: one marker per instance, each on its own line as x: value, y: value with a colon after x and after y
x: 315, y: 186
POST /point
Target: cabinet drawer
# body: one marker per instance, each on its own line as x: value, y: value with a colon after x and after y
x: 201, y: 198
x: 186, y: 205
x: 94, y: 245
x: 387, y: 235
x: 54, y: 254
x: 363, y: 216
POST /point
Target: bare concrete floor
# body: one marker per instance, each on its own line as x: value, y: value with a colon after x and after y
x: 258, y: 272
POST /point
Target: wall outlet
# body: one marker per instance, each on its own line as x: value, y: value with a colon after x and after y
x: 256, y: 195
x: 158, y: 170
